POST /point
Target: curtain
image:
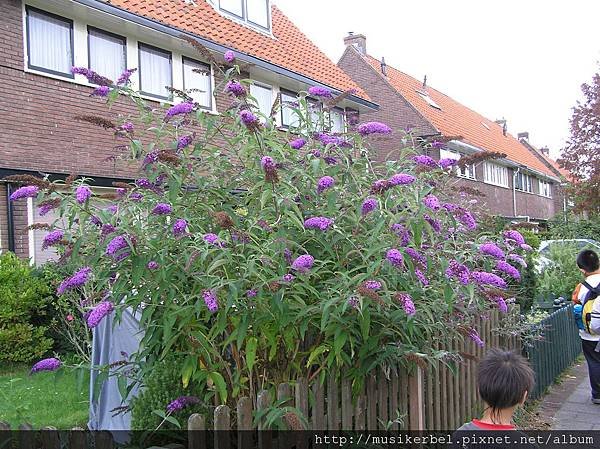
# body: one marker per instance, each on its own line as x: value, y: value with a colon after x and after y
x: 107, y: 54
x: 288, y: 115
x: 264, y: 99
x: 258, y: 12
x: 49, y: 42
x: 155, y: 71
x: 337, y: 121
x: 199, y: 81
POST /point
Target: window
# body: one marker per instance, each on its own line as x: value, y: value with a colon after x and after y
x: 468, y: 171
x: 155, y: 71
x: 264, y: 99
x: 545, y: 189
x: 197, y: 82
x: 49, y: 42
x: 336, y: 120
x: 106, y: 53
x: 314, y: 109
x: 429, y: 100
x: 289, y: 117
x: 523, y: 182
x: 495, y: 174
x: 255, y: 12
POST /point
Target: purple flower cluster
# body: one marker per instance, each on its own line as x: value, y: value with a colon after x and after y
x: 435, y: 224
x: 372, y: 285
x: 432, y: 202
x: 116, y: 244
x: 229, y: 56
x: 25, y: 192
x: 248, y: 118
x: 136, y: 197
x: 210, y: 299
x: 354, y: 302
x: 78, y: 279
x: 401, y: 179
x: 467, y: 219
x: 162, y: 209
x: 324, y: 183
x: 91, y: 76
x: 421, y: 277
x: 450, y: 207
x: 402, y: 232
x: 518, y: 259
x: 491, y: 249
x: 328, y: 139
x: 183, y: 142
x: 303, y: 263
x: 212, y: 239
x: 514, y: 236
x: 525, y: 247
x: 82, y: 194
x: 437, y: 144
x: 394, y: 257
x: 298, y: 143
x: 485, y: 278
x: 251, y: 293
x: 322, y: 223
x: 416, y: 256
x: 319, y: 91
x: 235, y: 88
x: 46, y: 207
x: 288, y: 277
x: 267, y: 163
x: 99, y: 312
x: 181, y: 108
x: 407, y: 303
x: 473, y: 335
x: 425, y: 160
x: 447, y: 163
x: 458, y: 271
x: 364, y: 129
x: 50, y: 364
x: 508, y: 269
x: 368, y: 206
x: 181, y: 402
x: 52, y: 238
x: 152, y: 265
x: 179, y: 227
x: 101, y: 91
x: 502, y: 306
x: 124, y: 77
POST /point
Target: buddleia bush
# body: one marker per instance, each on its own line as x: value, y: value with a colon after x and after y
x: 260, y: 256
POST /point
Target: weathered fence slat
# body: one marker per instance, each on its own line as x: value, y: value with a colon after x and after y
x: 318, y: 415
x: 196, y: 435
x: 263, y: 401
x: 49, y: 438
x: 26, y: 436
x: 382, y: 399
x: 346, y: 404
x: 332, y: 403
x: 222, y: 426
x: 394, y: 393
x: 302, y: 396
x: 244, y: 422
x: 103, y: 440
x: 371, y: 402
x: 415, y: 396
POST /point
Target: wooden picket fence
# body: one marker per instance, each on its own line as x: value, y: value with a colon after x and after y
x: 435, y: 398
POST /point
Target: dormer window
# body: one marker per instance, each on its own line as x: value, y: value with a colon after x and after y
x: 429, y: 100
x: 255, y: 12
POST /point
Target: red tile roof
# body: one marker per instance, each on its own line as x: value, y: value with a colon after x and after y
x: 288, y: 47
x: 455, y: 119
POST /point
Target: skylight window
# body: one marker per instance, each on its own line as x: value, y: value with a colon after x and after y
x: 485, y: 125
x: 254, y: 12
x: 429, y: 100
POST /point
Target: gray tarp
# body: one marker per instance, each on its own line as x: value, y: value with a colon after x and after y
x: 112, y: 342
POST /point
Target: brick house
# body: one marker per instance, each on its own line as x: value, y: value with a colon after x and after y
x: 40, y: 40
x: 520, y: 186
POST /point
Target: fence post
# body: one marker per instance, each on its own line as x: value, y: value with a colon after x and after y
x: 222, y: 427
x: 416, y: 401
x: 196, y: 432
x: 77, y: 438
x: 5, y: 435
x: 26, y: 437
x: 49, y: 437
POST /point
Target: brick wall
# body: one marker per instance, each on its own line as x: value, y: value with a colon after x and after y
x: 394, y: 110
x: 3, y: 221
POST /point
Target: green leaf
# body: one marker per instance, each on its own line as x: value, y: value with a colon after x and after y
x: 251, y: 345
x: 122, y: 386
x: 316, y: 353
x: 219, y: 384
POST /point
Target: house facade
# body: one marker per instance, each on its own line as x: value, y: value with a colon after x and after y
x: 41, y: 40
x: 519, y: 187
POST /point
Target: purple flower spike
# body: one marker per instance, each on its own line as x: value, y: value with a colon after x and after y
x: 288, y: 277
x: 51, y: 364
x: 179, y: 227
x: 78, y: 279
x: 514, y: 236
x: 248, y: 118
x: 162, y: 209
x: 319, y: 91
x: 251, y: 293
x: 425, y: 160
x: 229, y: 56
x: 458, y: 271
x: 99, y: 312
x: 368, y: 206
x: 395, y: 257
x: 124, y: 77
x: 181, y: 402
x: 213, y: 239
x: 491, y: 249
x: 25, y: 192
x: 364, y: 129
x: 322, y: 223
x: 303, y: 263
x: 508, y: 269
x: 181, y: 108
x: 101, y: 91
x: 407, y: 303
x: 525, y: 247
x: 432, y: 202
x: 210, y: 299
x: 82, y: 194
x: 324, y: 183
x: 421, y: 277
x: 447, y: 163
x: 372, y: 285
x: 235, y: 88
x: 183, y: 142
x: 52, y: 238
x: 473, y: 335
x: 298, y: 143
x: 485, y: 278
x: 116, y: 245
x: 153, y: 265
x: 401, y: 179
x: 267, y: 163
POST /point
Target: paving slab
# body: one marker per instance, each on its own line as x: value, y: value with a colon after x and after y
x: 577, y: 411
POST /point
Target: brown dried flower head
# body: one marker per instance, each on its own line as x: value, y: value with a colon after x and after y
x: 416, y: 359
x: 29, y: 180
x: 223, y: 220
x: 96, y: 120
x: 38, y: 226
x: 273, y: 286
x: 169, y: 157
x: 292, y: 421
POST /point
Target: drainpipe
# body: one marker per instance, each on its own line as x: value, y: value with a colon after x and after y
x: 10, y: 219
x: 515, y: 173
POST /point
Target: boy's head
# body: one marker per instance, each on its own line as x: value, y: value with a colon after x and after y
x: 504, y: 378
x: 587, y: 261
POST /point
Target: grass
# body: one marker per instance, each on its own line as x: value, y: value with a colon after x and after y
x: 42, y: 399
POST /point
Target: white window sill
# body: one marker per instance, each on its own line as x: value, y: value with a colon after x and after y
x: 468, y: 178
x: 496, y: 185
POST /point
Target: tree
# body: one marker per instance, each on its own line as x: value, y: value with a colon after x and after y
x: 581, y: 156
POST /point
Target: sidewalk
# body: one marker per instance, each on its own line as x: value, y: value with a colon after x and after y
x: 571, y: 402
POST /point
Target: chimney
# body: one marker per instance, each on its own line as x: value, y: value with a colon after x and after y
x: 502, y: 123
x: 383, y: 66
x: 523, y: 136
x: 358, y: 41
x: 545, y: 151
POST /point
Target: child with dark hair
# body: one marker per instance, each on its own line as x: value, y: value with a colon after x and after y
x: 504, y: 378
x: 589, y: 330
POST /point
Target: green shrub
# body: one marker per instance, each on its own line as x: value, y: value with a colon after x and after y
x: 561, y: 277
x: 162, y: 386
x: 23, y: 305
x: 574, y: 228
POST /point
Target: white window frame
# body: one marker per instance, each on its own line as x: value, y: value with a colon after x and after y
x: 184, y: 58
x: 108, y: 33
x: 259, y: 85
x: 545, y: 186
x: 342, y: 114
x: 290, y: 94
x: 466, y: 172
x: 495, y: 174
x: 525, y: 178
x: 244, y: 17
x: 141, y: 74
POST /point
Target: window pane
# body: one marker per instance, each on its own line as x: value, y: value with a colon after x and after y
x: 197, y: 82
x: 49, y: 42
x: 232, y: 6
x: 337, y: 121
x: 314, y: 110
x: 107, y: 53
x: 447, y: 154
x: 257, y: 12
x: 155, y: 71
x: 289, y: 117
x: 264, y: 99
